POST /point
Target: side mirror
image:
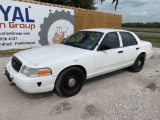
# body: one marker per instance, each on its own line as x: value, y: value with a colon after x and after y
x: 104, y: 47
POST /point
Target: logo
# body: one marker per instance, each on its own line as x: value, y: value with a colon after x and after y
x: 59, y: 35
x: 56, y: 27
x: 17, y: 16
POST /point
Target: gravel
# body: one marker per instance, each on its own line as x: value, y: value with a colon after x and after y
x: 121, y: 95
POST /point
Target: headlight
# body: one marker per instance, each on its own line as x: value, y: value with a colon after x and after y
x: 35, y: 72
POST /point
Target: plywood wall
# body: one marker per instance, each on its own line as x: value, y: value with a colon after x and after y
x: 92, y: 19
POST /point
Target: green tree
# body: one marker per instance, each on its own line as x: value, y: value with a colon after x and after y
x: 86, y: 4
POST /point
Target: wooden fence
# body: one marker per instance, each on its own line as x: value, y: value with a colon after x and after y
x: 91, y: 19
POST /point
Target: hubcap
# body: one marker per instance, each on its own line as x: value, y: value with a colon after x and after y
x: 139, y: 63
x: 72, y: 82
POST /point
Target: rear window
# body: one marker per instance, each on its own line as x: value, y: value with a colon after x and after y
x: 128, y: 39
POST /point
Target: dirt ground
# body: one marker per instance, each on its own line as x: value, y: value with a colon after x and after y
x: 121, y: 95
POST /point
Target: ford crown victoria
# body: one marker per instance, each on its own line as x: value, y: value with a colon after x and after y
x: 85, y: 54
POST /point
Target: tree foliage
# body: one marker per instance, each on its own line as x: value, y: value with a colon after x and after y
x: 86, y: 4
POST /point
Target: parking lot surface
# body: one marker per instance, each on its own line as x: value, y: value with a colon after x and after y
x: 121, y: 95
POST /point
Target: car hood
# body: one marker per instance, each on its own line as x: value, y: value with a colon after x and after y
x: 52, y: 53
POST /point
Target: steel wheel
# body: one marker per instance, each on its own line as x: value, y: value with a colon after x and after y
x: 69, y: 82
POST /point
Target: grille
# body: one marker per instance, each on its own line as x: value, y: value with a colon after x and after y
x: 16, y: 64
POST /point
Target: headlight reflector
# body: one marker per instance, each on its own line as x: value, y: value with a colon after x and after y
x: 35, y: 72
x: 25, y: 70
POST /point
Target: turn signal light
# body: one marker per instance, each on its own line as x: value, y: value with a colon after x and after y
x: 43, y: 72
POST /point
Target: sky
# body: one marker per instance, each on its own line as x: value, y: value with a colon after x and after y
x: 133, y: 10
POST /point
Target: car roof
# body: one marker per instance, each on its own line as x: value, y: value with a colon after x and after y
x: 104, y: 30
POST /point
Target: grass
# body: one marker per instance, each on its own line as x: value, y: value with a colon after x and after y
x: 154, y: 30
x: 147, y: 37
x: 155, y: 40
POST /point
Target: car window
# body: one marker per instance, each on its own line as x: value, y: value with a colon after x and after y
x: 111, y: 40
x: 128, y: 39
x: 76, y: 38
x: 84, y: 39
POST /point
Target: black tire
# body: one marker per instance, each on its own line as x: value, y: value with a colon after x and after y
x: 53, y: 17
x: 138, y: 64
x: 63, y: 82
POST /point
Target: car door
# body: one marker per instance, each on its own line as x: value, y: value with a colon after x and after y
x: 130, y: 47
x: 109, y: 55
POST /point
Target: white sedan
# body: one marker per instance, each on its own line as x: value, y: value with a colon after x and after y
x: 85, y: 54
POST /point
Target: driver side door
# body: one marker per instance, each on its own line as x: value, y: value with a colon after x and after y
x: 109, y: 55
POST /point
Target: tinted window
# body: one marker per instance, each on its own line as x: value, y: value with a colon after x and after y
x: 128, y: 39
x: 111, y: 40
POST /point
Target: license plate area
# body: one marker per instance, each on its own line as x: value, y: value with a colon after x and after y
x: 8, y: 76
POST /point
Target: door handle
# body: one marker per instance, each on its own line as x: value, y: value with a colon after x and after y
x: 137, y: 48
x: 120, y: 51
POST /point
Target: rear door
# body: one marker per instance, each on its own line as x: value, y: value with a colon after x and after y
x: 130, y: 47
x: 110, y: 58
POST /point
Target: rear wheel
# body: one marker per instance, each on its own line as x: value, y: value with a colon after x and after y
x: 138, y: 64
x: 69, y: 82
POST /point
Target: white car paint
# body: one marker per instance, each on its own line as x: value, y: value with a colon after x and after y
x: 59, y: 57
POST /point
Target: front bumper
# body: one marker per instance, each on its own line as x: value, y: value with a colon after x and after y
x: 28, y: 84
x: 149, y: 54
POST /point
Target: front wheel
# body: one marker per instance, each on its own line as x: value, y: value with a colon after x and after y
x: 138, y: 64
x: 69, y: 82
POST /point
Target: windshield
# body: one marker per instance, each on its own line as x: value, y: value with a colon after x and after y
x: 83, y: 39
